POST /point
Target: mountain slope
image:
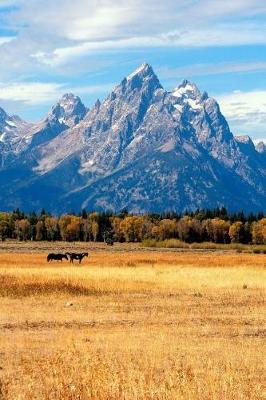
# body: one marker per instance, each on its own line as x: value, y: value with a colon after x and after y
x: 18, y: 137
x: 142, y: 148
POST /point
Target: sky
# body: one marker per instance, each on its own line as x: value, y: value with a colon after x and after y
x: 50, y: 47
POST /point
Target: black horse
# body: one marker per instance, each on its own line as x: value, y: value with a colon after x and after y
x: 57, y: 257
x: 76, y: 256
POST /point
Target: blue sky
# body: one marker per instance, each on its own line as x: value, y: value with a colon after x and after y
x: 49, y: 47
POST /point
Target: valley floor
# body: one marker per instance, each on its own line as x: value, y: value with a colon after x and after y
x: 132, y: 325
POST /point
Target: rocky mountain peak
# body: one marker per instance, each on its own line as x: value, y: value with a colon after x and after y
x: 143, y: 71
x: 188, y: 90
x: 144, y: 76
x: 261, y: 147
x: 245, y: 144
x: 244, y: 139
x: 3, y: 116
x: 97, y: 104
x: 69, y: 110
x: 188, y: 96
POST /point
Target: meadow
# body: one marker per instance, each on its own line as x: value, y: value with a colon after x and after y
x: 131, y: 323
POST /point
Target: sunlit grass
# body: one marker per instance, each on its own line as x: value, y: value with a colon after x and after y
x: 142, y: 325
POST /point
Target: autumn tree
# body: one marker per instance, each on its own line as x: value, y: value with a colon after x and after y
x: 40, y: 230
x: 220, y: 231
x: 86, y: 229
x: 118, y: 233
x: 73, y: 229
x: 216, y: 230
x: 133, y: 228
x: 4, y: 226
x: 95, y: 230
x: 22, y: 229
x: 189, y: 229
x: 94, y: 225
x: 52, y: 229
x: 236, y: 232
x: 166, y: 229
x: 63, y: 222
x: 258, y: 231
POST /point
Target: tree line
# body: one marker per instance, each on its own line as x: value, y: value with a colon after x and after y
x: 215, y: 225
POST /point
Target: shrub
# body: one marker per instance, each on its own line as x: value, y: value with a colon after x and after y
x: 256, y: 251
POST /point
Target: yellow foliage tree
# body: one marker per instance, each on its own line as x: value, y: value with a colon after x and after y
x: 51, y: 225
x: 22, y: 229
x: 236, y: 232
x: 258, y: 231
x: 133, y: 228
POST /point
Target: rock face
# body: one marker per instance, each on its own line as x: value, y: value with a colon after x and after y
x: 261, y: 148
x: 142, y: 148
x: 14, y: 135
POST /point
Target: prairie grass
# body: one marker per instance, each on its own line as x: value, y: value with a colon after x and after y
x: 138, y: 325
x: 179, y: 244
x: 168, y: 244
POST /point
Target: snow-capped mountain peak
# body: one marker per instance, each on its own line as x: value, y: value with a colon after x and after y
x: 187, y: 90
x: 188, y: 94
x: 69, y: 110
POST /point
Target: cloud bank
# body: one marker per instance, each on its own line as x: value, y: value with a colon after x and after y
x: 45, y: 43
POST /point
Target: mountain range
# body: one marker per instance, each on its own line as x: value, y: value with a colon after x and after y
x: 143, y: 148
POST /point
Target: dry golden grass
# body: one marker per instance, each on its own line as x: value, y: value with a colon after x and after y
x: 137, y: 325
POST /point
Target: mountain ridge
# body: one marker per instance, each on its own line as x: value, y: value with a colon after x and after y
x: 177, y: 143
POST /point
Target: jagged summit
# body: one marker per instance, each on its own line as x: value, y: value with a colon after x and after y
x: 244, y: 139
x: 187, y: 94
x: 142, y: 76
x: 187, y: 89
x: 69, y: 110
x: 261, y: 147
x: 97, y: 103
x: 3, y: 115
x: 143, y: 70
x: 69, y: 97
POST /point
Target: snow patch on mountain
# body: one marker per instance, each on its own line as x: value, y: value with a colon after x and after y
x: 139, y: 71
x: 243, y: 139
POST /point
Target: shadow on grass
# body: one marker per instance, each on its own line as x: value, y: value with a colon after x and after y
x: 11, y: 286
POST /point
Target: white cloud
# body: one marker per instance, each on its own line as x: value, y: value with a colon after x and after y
x: 34, y: 93
x: 245, y: 111
x: 58, y: 32
x: 218, y: 8
x: 6, y: 39
x: 53, y: 36
x: 90, y: 20
x: 211, y: 69
x: 220, y: 36
x: 30, y: 93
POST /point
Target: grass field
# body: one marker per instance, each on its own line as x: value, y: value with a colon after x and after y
x: 132, y: 324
